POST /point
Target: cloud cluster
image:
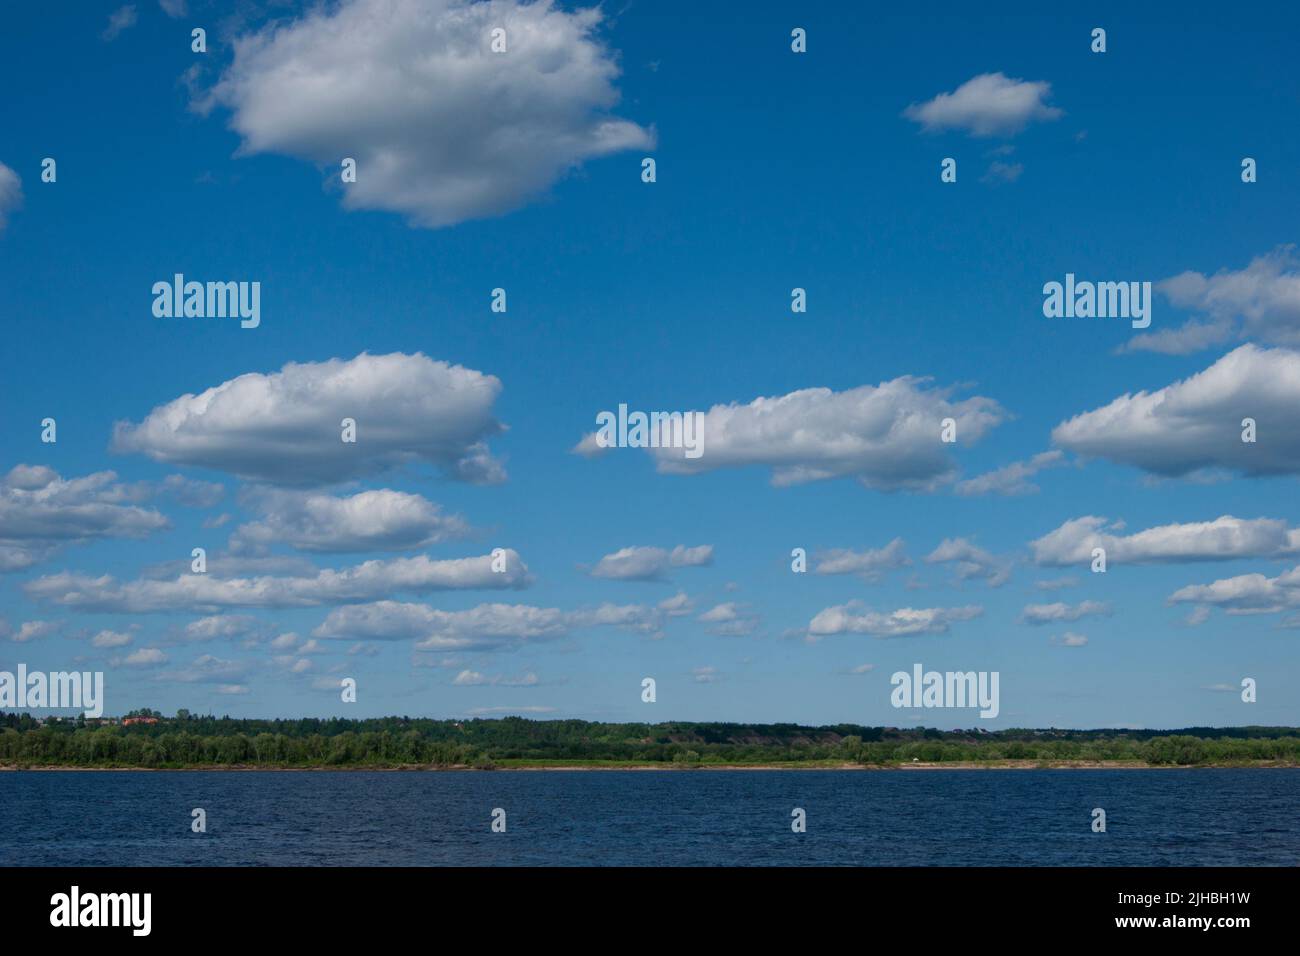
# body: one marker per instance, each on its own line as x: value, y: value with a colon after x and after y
x: 1260, y: 302
x: 1060, y: 611
x: 971, y: 562
x: 1222, y: 539
x: 856, y: 618
x: 284, y: 428
x: 1245, y: 593
x: 382, y: 520
x: 442, y: 128
x: 887, y: 437
x: 211, y: 592
x: 650, y: 564
x: 869, y: 565
x: 991, y: 104
x: 487, y: 627
x: 1012, y: 479
x: 40, y: 511
x: 1196, y: 424
x: 729, y: 619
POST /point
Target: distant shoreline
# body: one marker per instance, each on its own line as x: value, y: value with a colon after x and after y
x: 667, y: 767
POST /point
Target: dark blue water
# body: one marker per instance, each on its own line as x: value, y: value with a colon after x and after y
x: 975, y: 818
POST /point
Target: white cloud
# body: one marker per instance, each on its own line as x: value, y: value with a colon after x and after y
x: 207, y: 669
x: 442, y: 128
x: 210, y: 592
x: 1000, y: 172
x: 174, y: 8
x: 990, y: 104
x: 887, y: 437
x: 486, y: 627
x: 729, y: 620
x: 381, y: 520
x: 1260, y: 302
x: 284, y: 427
x: 468, y: 678
x: 28, y: 630
x: 705, y: 675
x: 120, y: 20
x: 1222, y: 539
x: 105, y: 639
x: 1060, y: 611
x: 1245, y: 593
x: 650, y: 564
x: 856, y: 618
x: 1012, y: 479
x: 11, y: 193
x: 227, y: 626
x: 144, y: 657
x: 39, y: 512
x: 1069, y: 639
x: 972, y: 562
x: 869, y: 565
x: 1195, y: 424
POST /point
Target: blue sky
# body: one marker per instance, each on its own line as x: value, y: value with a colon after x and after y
x: 775, y: 170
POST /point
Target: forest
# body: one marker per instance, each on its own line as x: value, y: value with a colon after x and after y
x: 190, y: 740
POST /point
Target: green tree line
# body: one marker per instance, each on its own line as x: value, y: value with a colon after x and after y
x: 188, y: 740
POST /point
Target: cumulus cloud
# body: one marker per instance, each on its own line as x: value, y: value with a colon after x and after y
x: 856, y: 618
x: 650, y: 564
x: 1012, y: 479
x: 27, y: 631
x: 1222, y: 539
x: 991, y: 104
x: 106, y: 639
x: 1194, y: 425
x: 382, y: 520
x: 1245, y: 593
x: 144, y: 657
x: 971, y: 562
x: 211, y: 592
x: 284, y: 427
x: 40, y: 511
x: 487, y: 627
x: 886, y: 437
x: 1060, y: 611
x: 11, y: 193
x: 869, y: 565
x: 442, y: 128
x: 729, y: 620
x: 226, y: 626
x: 1260, y: 302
